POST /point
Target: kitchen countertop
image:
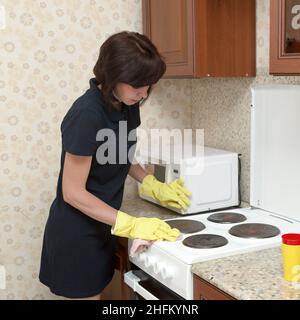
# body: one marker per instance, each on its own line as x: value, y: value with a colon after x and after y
x: 141, y: 208
x: 250, y: 276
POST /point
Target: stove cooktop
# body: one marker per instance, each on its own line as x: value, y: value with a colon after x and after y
x: 215, y: 235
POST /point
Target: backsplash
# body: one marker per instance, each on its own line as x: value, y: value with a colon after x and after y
x: 222, y: 106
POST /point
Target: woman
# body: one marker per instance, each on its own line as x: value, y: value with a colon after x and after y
x: 80, y: 235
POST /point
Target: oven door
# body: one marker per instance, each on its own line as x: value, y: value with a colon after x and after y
x: 147, y: 288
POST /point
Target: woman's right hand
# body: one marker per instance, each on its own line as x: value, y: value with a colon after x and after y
x: 143, y: 228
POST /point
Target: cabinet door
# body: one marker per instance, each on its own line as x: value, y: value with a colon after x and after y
x: 206, y: 291
x: 169, y: 24
x: 225, y: 38
x: 285, y: 37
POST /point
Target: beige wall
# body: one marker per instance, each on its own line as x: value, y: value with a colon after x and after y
x: 47, y: 53
x: 222, y: 106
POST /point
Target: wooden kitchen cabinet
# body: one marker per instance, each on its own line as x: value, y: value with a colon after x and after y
x: 285, y: 37
x: 203, y: 38
x: 206, y: 291
x: 117, y: 289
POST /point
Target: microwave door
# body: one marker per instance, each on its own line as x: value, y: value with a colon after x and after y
x: 160, y: 172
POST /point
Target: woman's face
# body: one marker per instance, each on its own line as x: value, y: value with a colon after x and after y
x: 130, y: 95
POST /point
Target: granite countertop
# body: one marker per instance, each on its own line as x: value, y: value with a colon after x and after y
x: 251, y: 276
x: 141, y: 208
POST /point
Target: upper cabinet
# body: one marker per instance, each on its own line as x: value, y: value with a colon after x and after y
x: 285, y: 37
x: 203, y: 38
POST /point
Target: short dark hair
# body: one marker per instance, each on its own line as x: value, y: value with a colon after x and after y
x: 127, y: 57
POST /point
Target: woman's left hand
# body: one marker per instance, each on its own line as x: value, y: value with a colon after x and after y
x: 139, y: 246
x: 172, y: 194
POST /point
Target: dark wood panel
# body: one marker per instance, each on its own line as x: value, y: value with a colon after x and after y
x: 206, y: 291
x: 229, y: 45
x: 117, y: 289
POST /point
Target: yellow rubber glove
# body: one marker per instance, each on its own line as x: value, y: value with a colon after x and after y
x: 143, y: 228
x: 168, y: 194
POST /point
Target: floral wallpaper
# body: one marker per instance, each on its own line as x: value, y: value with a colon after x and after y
x: 222, y: 106
x: 47, y: 52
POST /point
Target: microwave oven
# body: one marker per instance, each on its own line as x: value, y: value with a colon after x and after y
x: 215, y: 186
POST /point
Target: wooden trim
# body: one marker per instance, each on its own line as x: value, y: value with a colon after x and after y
x: 281, y: 31
x: 253, y: 39
x: 201, y: 47
x: 280, y: 62
x: 274, y: 34
x: 146, y: 21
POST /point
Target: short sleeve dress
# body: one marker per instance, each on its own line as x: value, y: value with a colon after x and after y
x: 77, y: 257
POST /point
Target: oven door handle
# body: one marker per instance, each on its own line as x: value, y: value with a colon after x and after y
x: 133, y: 282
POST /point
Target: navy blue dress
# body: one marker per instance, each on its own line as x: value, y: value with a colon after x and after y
x: 77, y: 258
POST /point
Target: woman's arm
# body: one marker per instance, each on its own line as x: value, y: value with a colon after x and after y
x: 137, y: 172
x: 76, y: 170
x: 75, y: 174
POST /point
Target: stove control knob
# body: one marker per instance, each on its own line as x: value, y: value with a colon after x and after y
x: 163, y: 271
x: 145, y: 259
x: 160, y: 268
x: 149, y: 261
x: 156, y: 268
x: 142, y: 257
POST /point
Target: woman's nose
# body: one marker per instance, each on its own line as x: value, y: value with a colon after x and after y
x: 144, y: 94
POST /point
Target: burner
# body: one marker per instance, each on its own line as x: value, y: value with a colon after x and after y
x: 186, y: 225
x: 205, y: 241
x: 226, y: 217
x: 254, y: 230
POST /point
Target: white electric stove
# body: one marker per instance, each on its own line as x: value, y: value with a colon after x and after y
x: 275, y: 208
x: 226, y: 243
